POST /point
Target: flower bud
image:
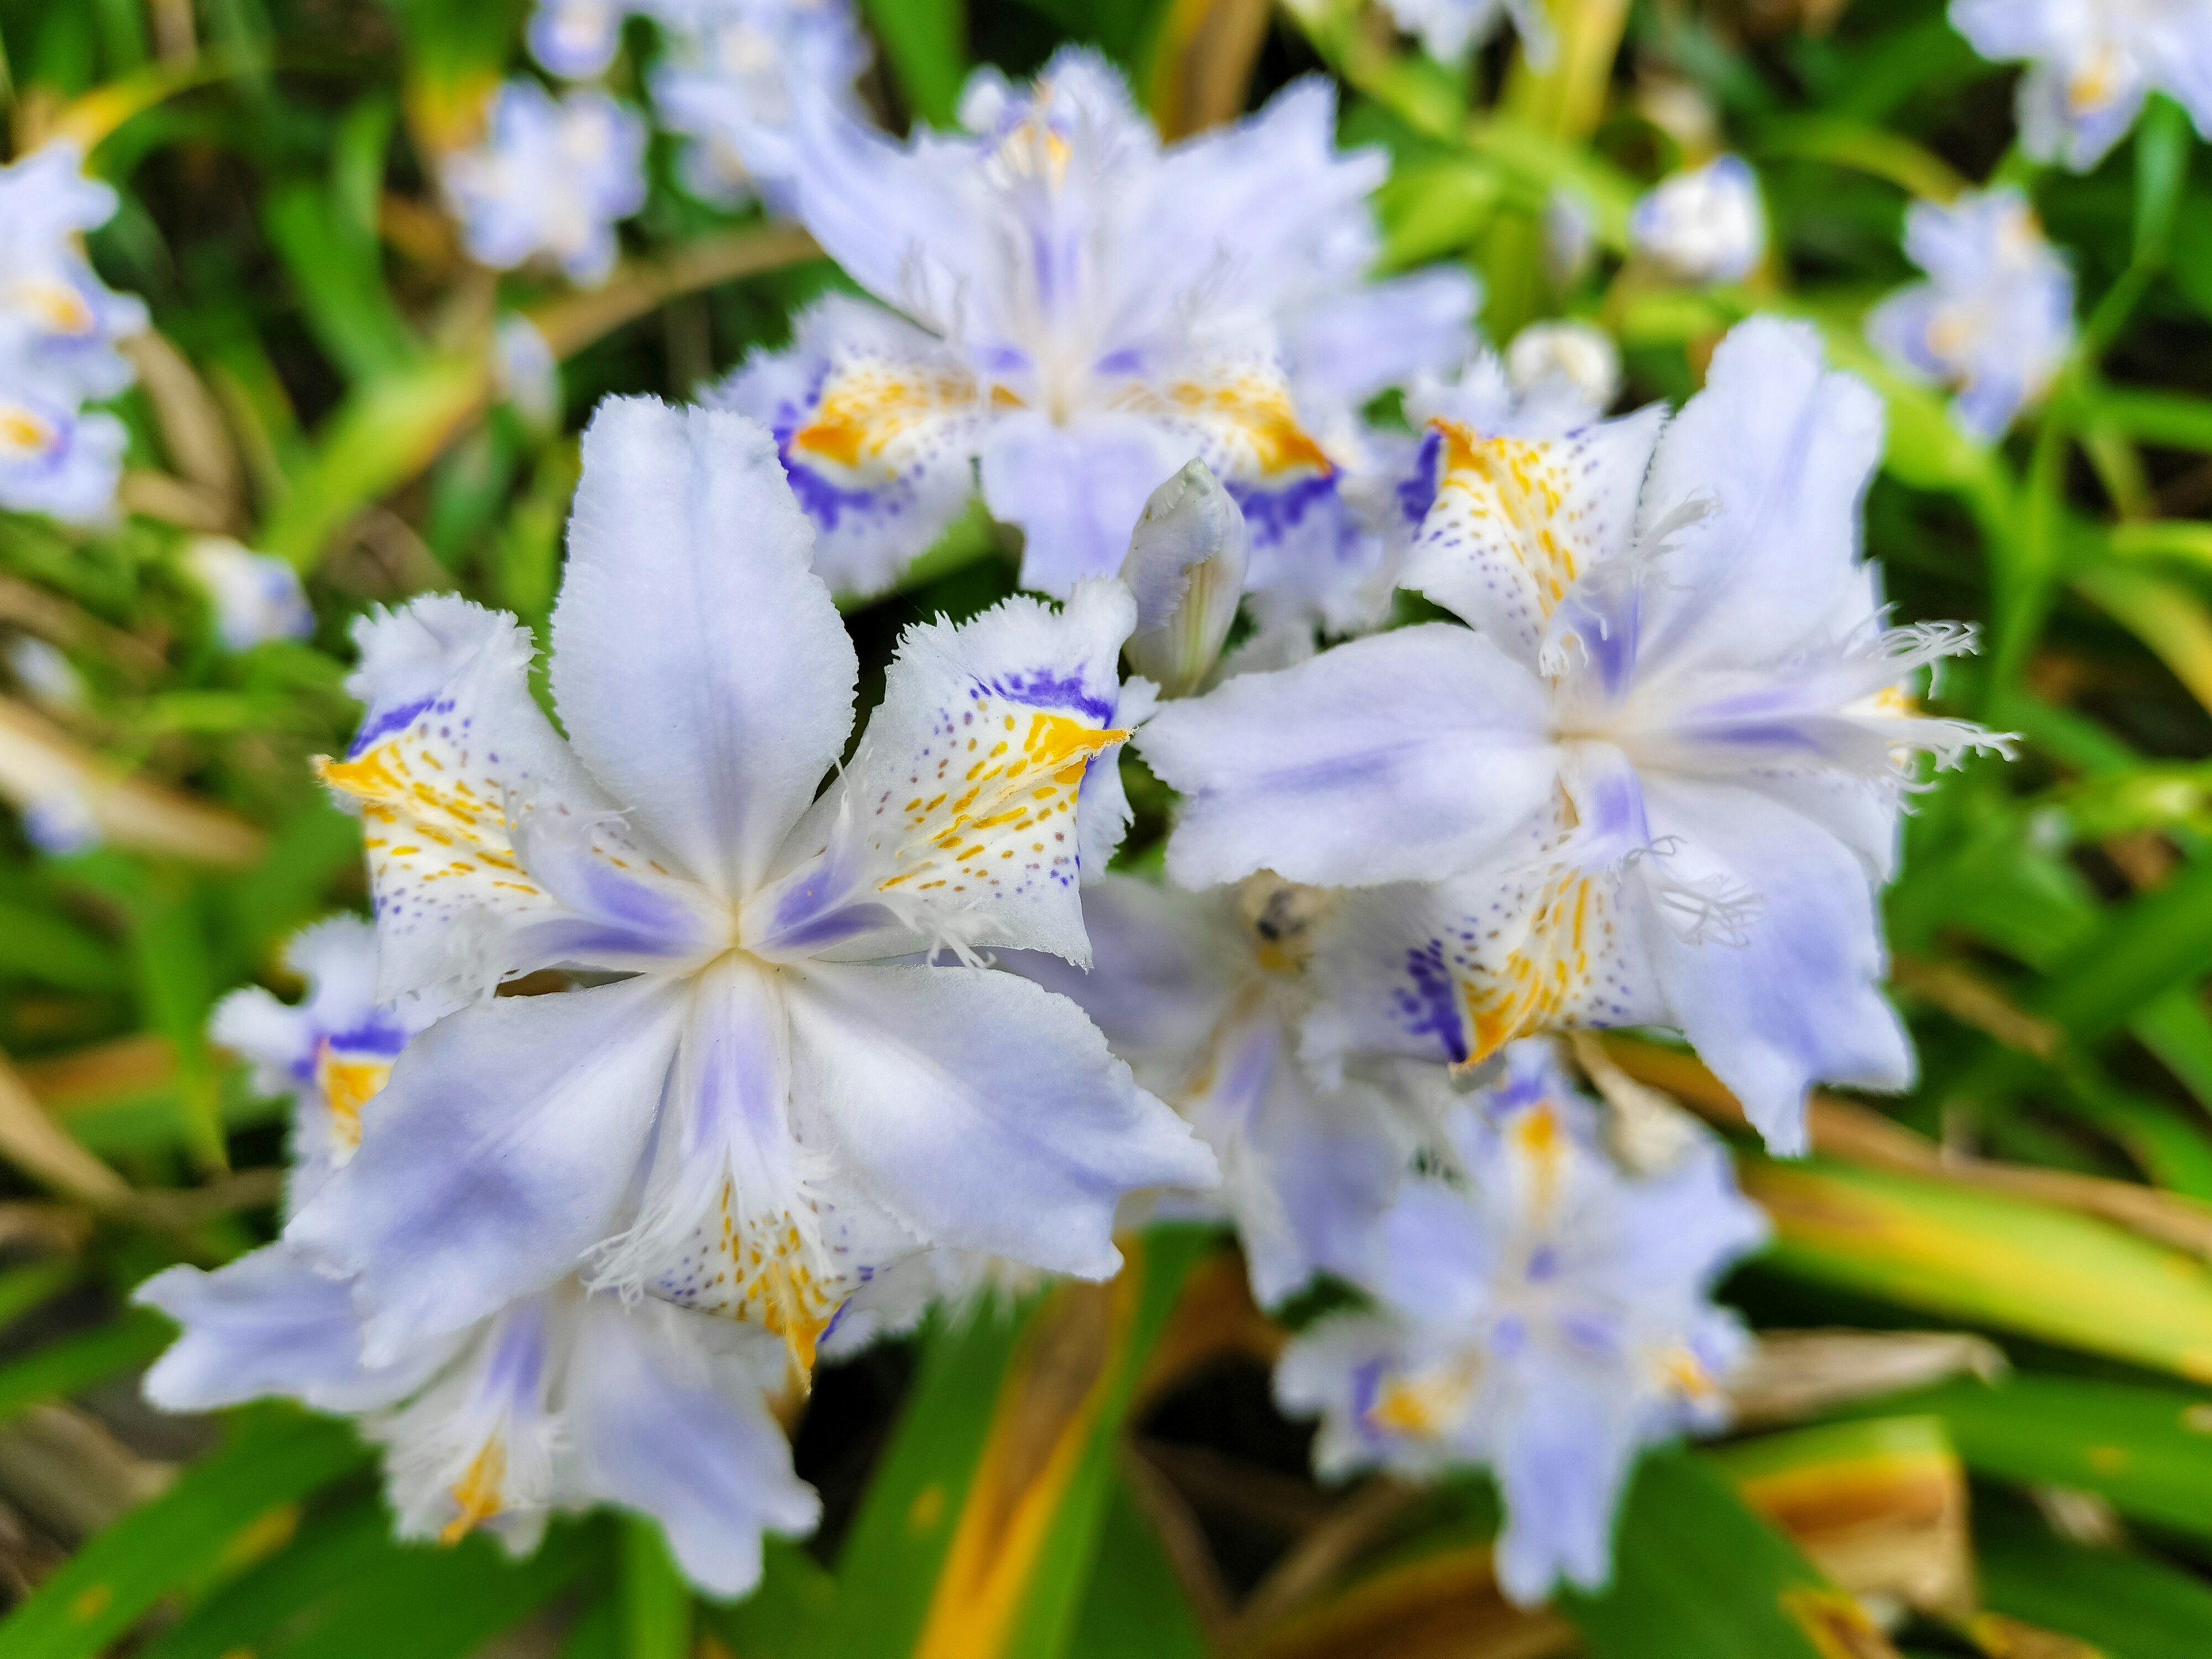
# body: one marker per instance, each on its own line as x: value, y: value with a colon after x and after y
x: 1186, y: 564
x: 1571, y: 359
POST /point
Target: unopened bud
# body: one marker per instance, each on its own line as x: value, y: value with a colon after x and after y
x: 1186, y: 564
x: 1570, y: 359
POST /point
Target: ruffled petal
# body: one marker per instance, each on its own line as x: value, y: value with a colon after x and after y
x: 878, y: 425
x: 1516, y: 522
x: 1782, y: 449
x: 961, y: 819
x: 270, y: 1324
x: 499, y: 1154
x: 981, y: 1110
x: 480, y: 1446
x: 699, y: 665
x: 457, y: 772
x: 665, y: 1426
x: 1433, y: 731
x: 738, y: 1219
x: 1792, y: 1000
x: 1563, y: 1456
x: 1456, y: 970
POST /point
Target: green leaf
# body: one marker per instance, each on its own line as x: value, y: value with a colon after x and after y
x: 1696, y: 1575
x: 2130, y: 1607
x: 655, y: 1601
x: 2147, y: 1451
x: 2163, y: 142
x: 39, y: 944
x: 1135, y: 1607
x: 24, y: 1288
x: 890, y: 1560
x: 924, y: 41
x: 327, y: 1554
x: 2173, y: 419
x: 785, y: 1616
x: 429, y: 1601
x: 2139, y: 951
x: 1989, y: 1259
x: 71, y: 1363
x: 97, y: 1594
x: 978, y: 1534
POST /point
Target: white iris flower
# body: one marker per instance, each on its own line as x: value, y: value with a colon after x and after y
x: 766, y: 1097
x: 549, y: 181
x: 1542, y: 1314
x: 1080, y: 312
x: 1657, y: 781
x: 2092, y: 64
x: 560, y: 1400
x: 1996, y: 317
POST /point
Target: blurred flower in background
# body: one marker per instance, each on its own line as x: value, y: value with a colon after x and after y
x: 550, y: 180
x: 1084, y: 311
x: 1995, y: 319
x: 1542, y: 1314
x: 2092, y: 62
x: 1705, y: 225
x: 59, y: 326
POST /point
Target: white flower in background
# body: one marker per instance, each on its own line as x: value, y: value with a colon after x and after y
x: 1450, y: 29
x: 1546, y: 1316
x: 1578, y: 361
x: 58, y: 323
x: 45, y: 674
x: 2092, y: 64
x: 1995, y: 319
x: 777, y: 1101
x: 54, y: 457
x: 735, y: 76
x: 528, y: 374
x: 1083, y: 312
x: 1706, y: 225
x: 58, y: 329
x: 255, y: 597
x: 1570, y: 237
x: 1657, y: 781
x: 731, y: 81
x: 1204, y: 995
x: 549, y: 181
x: 562, y: 1399
x: 577, y: 39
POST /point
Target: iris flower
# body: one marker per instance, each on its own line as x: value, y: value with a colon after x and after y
x: 766, y: 1095
x: 1655, y: 780
x: 1081, y: 311
x: 559, y: 1400
x: 1995, y: 319
x: 2092, y: 64
x: 1542, y: 1314
x: 549, y: 181
x: 1205, y: 995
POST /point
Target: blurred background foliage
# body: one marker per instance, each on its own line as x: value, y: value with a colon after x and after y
x: 2002, y: 1444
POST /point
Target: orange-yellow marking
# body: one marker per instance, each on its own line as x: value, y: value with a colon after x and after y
x: 477, y: 1493
x: 347, y: 1085
x: 1002, y: 793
